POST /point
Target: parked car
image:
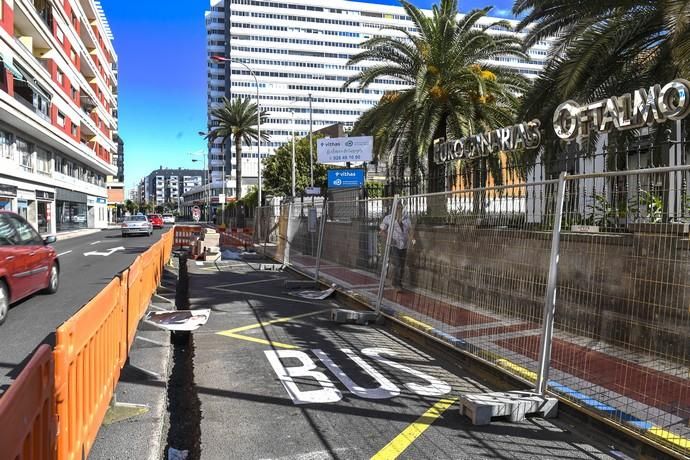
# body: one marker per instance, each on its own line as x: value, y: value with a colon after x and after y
x: 136, y: 224
x: 27, y: 263
x: 156, y: 220
x: 79, y: 219
x: 168, y: 219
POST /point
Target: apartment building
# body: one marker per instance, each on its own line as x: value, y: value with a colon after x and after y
x: 166, y: 185
x: 58, y: 105
x: 297, y: 50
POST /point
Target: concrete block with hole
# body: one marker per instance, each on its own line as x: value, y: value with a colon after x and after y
x: 480, y: 408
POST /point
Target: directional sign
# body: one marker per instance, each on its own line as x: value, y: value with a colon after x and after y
x: 105, y: 253
x: 345, y: 178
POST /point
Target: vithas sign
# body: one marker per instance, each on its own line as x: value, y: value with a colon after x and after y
x: 345, y: 178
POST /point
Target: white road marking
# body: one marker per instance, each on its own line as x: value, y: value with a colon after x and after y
x: 63, y: 253
x: 105, y: 253
x: 95, y: 242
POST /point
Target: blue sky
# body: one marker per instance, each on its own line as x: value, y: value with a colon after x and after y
x: 161, y: 47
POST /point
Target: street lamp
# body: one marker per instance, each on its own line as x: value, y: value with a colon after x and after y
x: 258, y: 116
x: 206, y: 195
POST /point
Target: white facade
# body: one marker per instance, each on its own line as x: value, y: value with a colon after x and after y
x: 298, y: 49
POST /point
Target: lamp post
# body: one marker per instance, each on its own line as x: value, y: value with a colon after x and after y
x: 206, y: 195
x: 258, y: 115
x: 293, y: 153
x: 311, y: 144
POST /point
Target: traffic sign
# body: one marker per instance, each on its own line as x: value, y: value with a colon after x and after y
x: 345, y: 178
x: 313, y: 190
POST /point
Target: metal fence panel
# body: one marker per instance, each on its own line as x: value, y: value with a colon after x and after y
x: 622, y: 328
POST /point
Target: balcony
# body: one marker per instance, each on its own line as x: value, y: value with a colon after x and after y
x: 45, y: 11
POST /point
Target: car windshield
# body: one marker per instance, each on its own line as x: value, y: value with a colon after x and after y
x: 135, y: 218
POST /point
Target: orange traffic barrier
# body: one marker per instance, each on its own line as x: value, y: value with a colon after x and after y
x: 89, y: 351
x: 27, y: 411
x: 56, y: 406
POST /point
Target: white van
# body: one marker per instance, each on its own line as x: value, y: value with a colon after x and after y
x: 168, y: 219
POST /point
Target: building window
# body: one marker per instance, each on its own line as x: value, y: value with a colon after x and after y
x: 61, y: 119
x: 74, y: 92
x: 5, y: 142
x: 59, y: 35
x: 25, y: 154
x: 43, y: 161
x: 60, y: 76
x: 74, y: 129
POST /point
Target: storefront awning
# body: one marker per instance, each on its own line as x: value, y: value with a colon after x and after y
x: 8, y: 64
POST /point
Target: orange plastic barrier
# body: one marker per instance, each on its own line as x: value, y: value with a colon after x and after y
x: 89, y: 352
x: 27, y: 414
x: 56, y: 406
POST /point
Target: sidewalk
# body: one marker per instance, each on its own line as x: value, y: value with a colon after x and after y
x: 599, y: 376
x: 273, y: 377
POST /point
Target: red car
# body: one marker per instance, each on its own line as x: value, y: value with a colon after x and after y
x: 156, y: 220
x: 27, y: 263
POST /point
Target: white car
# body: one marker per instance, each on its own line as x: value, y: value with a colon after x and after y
x: 168, y: 219
x: 136, y: 224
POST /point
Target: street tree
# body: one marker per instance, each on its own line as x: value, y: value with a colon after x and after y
x: 131, y: 207
x: 237, y: 119
x: 603, y: 48
x: 278, y: 169
x: 451, y: 89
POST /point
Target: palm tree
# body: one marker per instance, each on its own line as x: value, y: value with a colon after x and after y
x: 237, y: 119
x: 452, y: 90
x: 603, y: 48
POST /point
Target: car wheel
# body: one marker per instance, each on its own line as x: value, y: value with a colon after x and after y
x: 4, y: 302
x: 53, y: 280
x: 124, y: 235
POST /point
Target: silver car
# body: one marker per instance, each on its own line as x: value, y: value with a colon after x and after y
x: 136, y: 224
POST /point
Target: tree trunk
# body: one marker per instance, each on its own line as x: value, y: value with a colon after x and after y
x: 238, y: 170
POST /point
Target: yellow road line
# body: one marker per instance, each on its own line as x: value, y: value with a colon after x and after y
x: 274, y: 321
x: 261, y: 341
x: 401, y: 442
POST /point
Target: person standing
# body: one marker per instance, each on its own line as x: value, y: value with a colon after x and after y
x: 399, y: 241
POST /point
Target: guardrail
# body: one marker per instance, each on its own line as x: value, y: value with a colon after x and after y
x: 56, y: 405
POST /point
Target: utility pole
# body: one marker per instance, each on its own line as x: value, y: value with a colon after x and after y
x: 311, y: 143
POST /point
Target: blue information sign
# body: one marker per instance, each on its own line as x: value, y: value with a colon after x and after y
x: 345, y: 178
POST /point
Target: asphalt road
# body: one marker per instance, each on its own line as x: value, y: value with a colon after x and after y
x: 34, y: 320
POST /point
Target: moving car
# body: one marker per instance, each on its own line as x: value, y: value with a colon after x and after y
x: 156, y: 220
x: 136, y: 224
x: 27, y: 263
x: 168, y: 219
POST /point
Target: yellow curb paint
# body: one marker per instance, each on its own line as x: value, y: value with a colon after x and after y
x: 257, y: 340
x: 669, y: 437
x: 274, y: 321
x: 519, y: 370
x: 415, y: 323
x: 401, y: 442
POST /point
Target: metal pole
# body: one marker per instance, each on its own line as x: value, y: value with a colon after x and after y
x: 258, y: 130
x: 386, y: 253
x: 550, y: 298
x: 222, y: 206
x: 311, y: 144
x: 319, y: 244
x: 294, y: 140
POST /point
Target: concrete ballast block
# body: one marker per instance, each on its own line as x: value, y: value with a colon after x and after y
x: 515, y: 405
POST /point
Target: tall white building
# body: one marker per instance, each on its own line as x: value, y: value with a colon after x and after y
x: 298, y: 50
